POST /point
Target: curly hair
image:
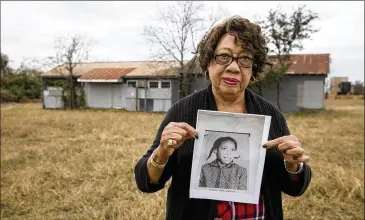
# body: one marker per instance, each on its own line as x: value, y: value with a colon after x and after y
x: 246, y: 33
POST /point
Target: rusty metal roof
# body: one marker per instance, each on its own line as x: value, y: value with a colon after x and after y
x: 106, y: 74
x: 308, y: 64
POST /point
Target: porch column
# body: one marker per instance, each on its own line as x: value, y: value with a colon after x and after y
x: 44, y: 87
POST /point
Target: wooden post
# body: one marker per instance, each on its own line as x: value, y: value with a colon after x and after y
x: 44, y: 87
x: 145, y: 95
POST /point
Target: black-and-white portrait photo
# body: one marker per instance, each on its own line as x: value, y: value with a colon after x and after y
x: 224, y: 162
x: 228, y: 156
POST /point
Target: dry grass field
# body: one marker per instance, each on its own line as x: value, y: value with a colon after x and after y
x: 59, y: 164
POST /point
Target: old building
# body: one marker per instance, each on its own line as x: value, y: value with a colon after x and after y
x: 134, y: 86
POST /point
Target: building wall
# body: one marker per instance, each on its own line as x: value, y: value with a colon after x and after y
x: 334, y: 84
x: 51, y: 101
x: 105, y: 95
x: 98, y: 95
x: 141, y: 99
x: 297, y: 92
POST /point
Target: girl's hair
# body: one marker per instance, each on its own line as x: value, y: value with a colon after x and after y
x: 245, y: 32
x: 218, y: 143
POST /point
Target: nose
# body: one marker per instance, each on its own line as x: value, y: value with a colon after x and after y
x: 233, y: 67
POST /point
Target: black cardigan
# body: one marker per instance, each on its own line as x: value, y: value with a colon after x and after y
x: 275, y: 178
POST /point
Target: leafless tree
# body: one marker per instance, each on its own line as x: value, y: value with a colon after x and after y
x: 181, y: 27
x: 70, y: 52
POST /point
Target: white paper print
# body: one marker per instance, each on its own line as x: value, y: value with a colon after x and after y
x: 228, y: 157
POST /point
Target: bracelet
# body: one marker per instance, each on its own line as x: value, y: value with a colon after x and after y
x: 298, y: 171
x: 155, y: 164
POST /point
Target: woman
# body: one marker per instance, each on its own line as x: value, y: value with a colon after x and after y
x: 232, y: 55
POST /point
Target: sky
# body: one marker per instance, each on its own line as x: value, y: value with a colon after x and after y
x: 29, y: 29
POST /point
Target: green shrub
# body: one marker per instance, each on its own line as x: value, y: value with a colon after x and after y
x: 7, y: 96
x: 15, y: 87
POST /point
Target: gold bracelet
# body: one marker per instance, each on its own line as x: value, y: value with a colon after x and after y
x: 155, y: 164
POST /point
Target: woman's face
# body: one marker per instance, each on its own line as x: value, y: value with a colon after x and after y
x: 226, y: 152
x: 229, y: 79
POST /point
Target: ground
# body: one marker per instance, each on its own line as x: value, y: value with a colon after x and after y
x: 58, y: 164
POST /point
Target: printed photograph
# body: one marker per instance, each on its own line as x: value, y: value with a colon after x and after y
x: 228, y: 157
x: 226, y: 165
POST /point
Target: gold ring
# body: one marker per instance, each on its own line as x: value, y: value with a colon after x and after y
x: 169, y: 143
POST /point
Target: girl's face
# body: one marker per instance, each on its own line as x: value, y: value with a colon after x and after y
x: 226, y: 152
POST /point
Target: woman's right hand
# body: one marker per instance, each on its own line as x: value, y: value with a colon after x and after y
x: 177, y: 133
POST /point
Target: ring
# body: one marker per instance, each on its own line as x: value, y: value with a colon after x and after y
x: 169, y: 143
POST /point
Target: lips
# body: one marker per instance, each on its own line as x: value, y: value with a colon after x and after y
x: 230, y: 81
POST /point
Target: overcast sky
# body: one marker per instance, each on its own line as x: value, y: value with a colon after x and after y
x: 29, y: 29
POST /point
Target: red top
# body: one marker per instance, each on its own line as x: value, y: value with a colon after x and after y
x: 234, y: 210
x: 241, y: 211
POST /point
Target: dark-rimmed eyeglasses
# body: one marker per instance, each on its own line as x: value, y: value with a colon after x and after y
x: 227, y: 59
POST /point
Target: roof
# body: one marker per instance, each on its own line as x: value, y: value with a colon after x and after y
x: 105, y: 75
x: 307, y: 64
x: 140, y: 68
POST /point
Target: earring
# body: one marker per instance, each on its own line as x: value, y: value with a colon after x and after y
x: 252, y: 81
x: 206, y: 73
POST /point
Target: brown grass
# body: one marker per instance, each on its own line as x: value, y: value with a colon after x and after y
x: 79, y: 165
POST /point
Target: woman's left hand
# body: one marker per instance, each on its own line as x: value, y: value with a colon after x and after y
x: 291, y: 148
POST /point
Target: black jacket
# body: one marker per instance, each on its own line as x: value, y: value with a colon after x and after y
x: 275, y: 178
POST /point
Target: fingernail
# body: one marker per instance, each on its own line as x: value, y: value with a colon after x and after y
x: 295, y: 158
x: 264, y: 146
x: 196, y: 136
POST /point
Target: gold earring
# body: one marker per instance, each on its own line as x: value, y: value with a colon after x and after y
x: 252, y: 81
x: 206, y: 74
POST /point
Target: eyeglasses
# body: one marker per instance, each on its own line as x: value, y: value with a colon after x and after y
x: 227, y: 59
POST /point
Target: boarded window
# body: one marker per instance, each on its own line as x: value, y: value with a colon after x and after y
x: 131, y: 84
x: 148, y: 106
x: 153, y: 84
x: 165, y: 84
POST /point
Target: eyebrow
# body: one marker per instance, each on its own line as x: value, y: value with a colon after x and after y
x: 230, y: 50
x: 223, y: 145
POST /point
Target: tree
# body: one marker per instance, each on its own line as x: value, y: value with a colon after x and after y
x: 285, y: 33
x: 21, y: 84
x: 70, y: 52
x: 4, y: 65
x: 181, y: 25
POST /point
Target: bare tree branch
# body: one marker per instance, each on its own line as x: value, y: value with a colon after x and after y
x: 182, y: 24
x: 70, y: 52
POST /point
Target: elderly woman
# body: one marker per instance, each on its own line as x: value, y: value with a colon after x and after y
x: 232, y: 55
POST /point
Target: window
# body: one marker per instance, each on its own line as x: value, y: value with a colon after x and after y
x: 149, y: 106
x: 165, y: 85
x: 154, y: 84
x: 131, y: 84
